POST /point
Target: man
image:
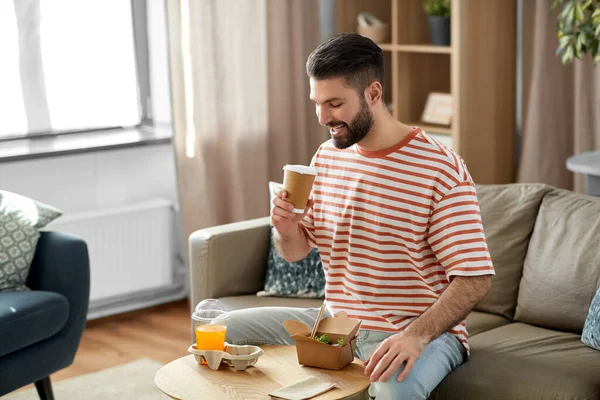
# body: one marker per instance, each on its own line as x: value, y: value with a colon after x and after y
x: 396, y: 220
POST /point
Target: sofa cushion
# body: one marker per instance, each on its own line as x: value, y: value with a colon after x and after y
x: 20, y: 220
x: 562, y: 269
x: 29, y: 317
x: 521, y: 361
x: 249, y: 301
x: 508, y: 213
x: 478, y: 322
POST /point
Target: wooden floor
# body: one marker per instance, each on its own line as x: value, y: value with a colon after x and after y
x: 161, y: 333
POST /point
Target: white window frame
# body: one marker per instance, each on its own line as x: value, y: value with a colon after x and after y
x: 146, y: 125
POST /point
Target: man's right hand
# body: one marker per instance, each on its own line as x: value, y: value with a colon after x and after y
x: 282, y: 217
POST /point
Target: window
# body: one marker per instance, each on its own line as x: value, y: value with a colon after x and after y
x: 76, y: 65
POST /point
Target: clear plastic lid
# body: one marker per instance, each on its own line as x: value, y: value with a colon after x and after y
x: 210, y: 311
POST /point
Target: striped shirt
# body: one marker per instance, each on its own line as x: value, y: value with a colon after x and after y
x: 393, y: 227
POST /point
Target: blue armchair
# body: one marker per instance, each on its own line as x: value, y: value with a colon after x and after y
x: 40, y: 329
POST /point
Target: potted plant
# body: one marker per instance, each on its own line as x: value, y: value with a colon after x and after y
x: 578, y: 29
x: 438, y: 17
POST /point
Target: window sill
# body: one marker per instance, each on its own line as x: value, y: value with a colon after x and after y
x: 87, y: 142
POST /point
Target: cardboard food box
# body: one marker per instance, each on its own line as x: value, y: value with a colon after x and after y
x: 313, y: 353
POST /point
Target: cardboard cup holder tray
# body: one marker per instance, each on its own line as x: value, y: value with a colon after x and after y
x: 238, y: 357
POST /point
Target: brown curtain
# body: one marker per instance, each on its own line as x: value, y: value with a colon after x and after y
x: 240, y: 102
x: 294, y: 132
x: 561, y: 104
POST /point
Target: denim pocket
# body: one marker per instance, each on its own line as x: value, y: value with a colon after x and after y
x: 363, y: 336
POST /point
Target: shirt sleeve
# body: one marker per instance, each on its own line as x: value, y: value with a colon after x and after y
x: 456, y: 236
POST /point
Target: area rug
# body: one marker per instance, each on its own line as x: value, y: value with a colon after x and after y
x: 134, y: 380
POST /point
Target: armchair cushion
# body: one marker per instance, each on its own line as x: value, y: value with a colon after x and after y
x: 20, y: 220
x: 30, y: 317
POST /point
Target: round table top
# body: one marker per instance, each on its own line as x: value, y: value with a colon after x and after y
x: 184, y: 378
x: 585, y: 163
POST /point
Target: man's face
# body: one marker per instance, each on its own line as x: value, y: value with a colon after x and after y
x: 342, y: 110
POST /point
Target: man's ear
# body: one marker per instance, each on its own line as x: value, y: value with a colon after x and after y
x: 373, y: 92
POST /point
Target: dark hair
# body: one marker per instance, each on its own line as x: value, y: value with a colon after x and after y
x: 353, y: 57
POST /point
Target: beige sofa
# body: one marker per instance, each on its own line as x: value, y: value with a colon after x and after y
x: 525, y: 335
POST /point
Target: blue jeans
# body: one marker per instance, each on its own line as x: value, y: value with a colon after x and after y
x: 263, y: 326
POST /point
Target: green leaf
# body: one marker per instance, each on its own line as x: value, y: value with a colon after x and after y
x: 555, y: 4
x: 583, y: 36
x: 564, y: 41
x: 586, y: 4
x: 566, y: 11
x: 596, y: 13
x: 578, y: 13
x: 340, y: 341
x: 437, y: 7
x: 597, y: 32
x: 567, y: 56
x: 323, y: 338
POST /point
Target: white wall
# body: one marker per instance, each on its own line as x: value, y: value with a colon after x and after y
x: 106, y: 179
x: 101, y: 179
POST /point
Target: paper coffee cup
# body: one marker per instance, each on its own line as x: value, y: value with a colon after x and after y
x: 297, y: 182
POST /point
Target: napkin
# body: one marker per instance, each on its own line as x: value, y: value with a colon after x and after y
x: 303, y: 389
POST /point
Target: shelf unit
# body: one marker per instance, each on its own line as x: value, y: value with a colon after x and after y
x: 477, y: 69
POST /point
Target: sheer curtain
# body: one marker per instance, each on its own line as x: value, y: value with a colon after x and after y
x: 240, y: 102
x: 561, y: 104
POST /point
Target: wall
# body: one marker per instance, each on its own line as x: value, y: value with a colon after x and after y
x: 105, y: 179
x: 94, y: 180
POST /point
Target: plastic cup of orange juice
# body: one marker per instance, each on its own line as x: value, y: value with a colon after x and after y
x: 210, y: 325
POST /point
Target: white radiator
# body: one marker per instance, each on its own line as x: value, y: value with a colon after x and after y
x: 132, y: 251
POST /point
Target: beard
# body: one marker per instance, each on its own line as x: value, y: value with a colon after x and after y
x: 356, y: 130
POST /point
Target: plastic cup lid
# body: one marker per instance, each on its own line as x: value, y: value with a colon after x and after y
x: 301, y: 169
x: 210, y: 316
x: 210, y: 309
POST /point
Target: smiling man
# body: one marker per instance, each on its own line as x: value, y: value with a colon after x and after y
x: 395, y: 217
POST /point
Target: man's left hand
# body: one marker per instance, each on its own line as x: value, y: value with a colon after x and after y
x: 391, y: 353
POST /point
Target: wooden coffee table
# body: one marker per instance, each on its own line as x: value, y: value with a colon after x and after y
x: 185, y: 379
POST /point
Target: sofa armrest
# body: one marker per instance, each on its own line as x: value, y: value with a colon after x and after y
x: 228, y: 260
x: 61, y: 265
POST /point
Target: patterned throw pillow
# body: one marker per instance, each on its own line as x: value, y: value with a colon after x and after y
x: 304, y: 278
x: 591, y: 328
x: 20, y: 220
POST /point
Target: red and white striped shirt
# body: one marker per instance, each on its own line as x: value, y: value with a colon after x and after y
x: 392, y: 228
